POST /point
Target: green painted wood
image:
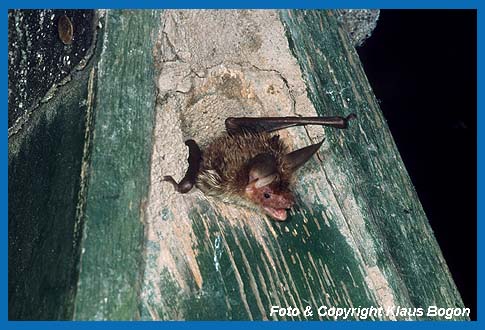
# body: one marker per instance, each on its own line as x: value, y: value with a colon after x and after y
x: 48, y: 116
x: 111, y: 264
x: 405, y: 247
x: 44, y: 171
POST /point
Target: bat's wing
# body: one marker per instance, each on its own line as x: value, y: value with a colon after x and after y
x: 195, y: 157
x: 271, y: 124
x: 294, y: 159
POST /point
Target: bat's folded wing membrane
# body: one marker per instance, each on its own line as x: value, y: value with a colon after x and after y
x: 236, y: 125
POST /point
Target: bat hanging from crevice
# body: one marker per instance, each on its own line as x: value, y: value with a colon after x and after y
x: 251, y: 166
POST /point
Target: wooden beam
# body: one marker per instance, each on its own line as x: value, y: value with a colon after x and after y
x: 111, y: 265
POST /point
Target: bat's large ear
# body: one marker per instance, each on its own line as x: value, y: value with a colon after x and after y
x: 263, y: 170
x: 297, y: 158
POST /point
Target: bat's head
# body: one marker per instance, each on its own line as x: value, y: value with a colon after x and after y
x: 266, y: 189
x: 272, y: 199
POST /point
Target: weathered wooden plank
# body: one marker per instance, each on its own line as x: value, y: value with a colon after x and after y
x: 111, y: 265
x: 45, y: 152
x: 44, y: 181
x: 404, y: 246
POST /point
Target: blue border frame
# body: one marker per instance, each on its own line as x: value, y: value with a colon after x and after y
x: 259, y: 4
x: 396, y: 4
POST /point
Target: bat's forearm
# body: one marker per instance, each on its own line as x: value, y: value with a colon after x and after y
x: 271, y: 124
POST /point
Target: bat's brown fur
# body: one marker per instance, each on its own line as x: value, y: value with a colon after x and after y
x: 220, y: 170
x: 249, y: 166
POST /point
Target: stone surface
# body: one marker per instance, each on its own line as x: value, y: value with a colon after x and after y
x: 359, y: 23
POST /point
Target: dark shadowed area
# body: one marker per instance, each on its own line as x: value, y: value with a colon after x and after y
x: 422, y: 67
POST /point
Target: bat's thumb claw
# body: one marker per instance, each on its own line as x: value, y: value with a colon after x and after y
x: 169, y: 178
x: 351, y: 116
x: 346, y: 120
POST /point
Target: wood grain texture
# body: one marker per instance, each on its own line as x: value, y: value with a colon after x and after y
x: 48, y: 117
x: 111, y: 264
x: 45, y: 161
x: 404, y: 247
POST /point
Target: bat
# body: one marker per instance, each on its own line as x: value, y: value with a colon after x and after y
x: 250, y: 165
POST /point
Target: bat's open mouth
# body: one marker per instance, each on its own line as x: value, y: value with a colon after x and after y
x: 277, y: 214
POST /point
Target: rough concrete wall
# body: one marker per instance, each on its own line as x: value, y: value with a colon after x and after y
x: 359, y: 23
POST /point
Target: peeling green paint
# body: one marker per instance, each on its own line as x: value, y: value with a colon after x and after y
x: 112, y: 261
x: 404, y: 244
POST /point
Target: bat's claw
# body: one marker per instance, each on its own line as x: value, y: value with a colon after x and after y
x: 346, y: 120
x: 351, y: 116
x: 195, y: 157
x: 171, y: 180
x: 183, y: 187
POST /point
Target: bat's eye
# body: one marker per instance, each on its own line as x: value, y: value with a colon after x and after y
x: 266, y: 195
